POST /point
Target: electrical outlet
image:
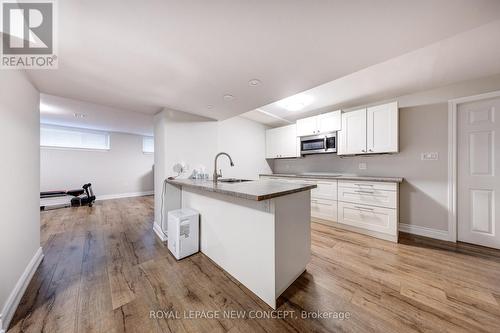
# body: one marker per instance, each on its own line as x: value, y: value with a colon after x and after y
x: 362, y: 166
x: 432, y: 156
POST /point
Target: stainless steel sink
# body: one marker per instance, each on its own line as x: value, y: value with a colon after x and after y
x: 233, y: 180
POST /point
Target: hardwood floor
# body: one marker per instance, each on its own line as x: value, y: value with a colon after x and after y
x: 105, y: 271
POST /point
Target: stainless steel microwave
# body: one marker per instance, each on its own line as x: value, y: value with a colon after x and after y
x: 318, y: 144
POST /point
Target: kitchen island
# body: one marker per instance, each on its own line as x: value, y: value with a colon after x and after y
x: 257, y: 231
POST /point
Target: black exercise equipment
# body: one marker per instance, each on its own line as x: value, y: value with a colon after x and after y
x: 81, y: 197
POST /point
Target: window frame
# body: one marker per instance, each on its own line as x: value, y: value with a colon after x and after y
x: 77, y: 130
x: 144, y: 138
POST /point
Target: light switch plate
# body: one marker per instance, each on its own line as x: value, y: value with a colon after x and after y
x: 432, y: 156
x: 362, y: 166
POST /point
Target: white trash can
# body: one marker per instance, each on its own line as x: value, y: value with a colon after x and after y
x: 183, y: 232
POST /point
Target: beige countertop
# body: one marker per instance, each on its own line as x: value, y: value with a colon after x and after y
x: 252, y: 190
x: 321, y: 175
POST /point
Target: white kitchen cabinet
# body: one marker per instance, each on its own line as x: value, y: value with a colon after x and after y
x: 352, y: 137
x: 382, y: 128
x: 307, y: 126
x: 369, y: 207
x: 325, y: 210
x: 323, y: 123
x: 323, y: 197
x: 329, y: 122
x: 369, y: 130
x: 282, y: 142
x: 377, y: 219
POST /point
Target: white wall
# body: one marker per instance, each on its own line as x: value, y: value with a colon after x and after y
x: 122, y: 170
x: 180, y: 138
x: 20, y: 179
x: 245, y: 141
x: 194, y: 141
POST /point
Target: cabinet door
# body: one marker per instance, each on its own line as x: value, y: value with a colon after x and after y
x: 307, y: 126
x: 352, y: 137
x: 288, y: 141
x: 382, y: 128
x: 383, y: 220
x: 271, y: 142
x: 324, y: 209
x: 329, y: 122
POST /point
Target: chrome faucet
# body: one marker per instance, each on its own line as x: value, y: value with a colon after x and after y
x: 219, y: 174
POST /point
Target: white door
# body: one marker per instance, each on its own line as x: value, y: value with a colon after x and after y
x: 478, y: 170
x: 329, y: 122
x: 382, y: 128
x: 307, y: 126
x: 352, y: 137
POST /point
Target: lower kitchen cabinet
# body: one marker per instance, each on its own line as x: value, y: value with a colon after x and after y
x: 382, y: 221
x: 324, y: 209
x: 367, y: 207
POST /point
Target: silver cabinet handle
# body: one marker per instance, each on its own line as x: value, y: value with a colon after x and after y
x: 364, y: 185
x: 368, y: 192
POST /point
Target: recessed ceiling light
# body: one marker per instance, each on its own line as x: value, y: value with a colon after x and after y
x: 228, y: 97
x: 253, y: 82
x: 79, y: 115
x: 210, y: 106
x: 296, y: 102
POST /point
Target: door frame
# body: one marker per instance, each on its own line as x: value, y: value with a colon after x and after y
x: 452, y: 158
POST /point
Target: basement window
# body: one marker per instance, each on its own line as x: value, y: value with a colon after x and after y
x: 148, y: 145
x: 73, y: 138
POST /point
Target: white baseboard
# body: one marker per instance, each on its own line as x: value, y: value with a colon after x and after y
x: 159, y: 232
x: 15, y: 296
x: 123, y: 195
x: 424, y: 231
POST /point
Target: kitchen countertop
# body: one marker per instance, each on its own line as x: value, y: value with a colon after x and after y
x: 257, y: 190
x: 324, y: 175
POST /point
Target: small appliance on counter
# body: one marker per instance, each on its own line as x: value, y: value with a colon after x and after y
x: 183, y: 232
x: 318, y: 144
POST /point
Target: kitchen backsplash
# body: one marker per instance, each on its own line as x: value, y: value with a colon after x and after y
x: 378, y: 165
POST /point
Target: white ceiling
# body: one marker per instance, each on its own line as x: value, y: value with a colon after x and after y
x: 469, y: 55
x: 61, y: 111
x: 145, y: 55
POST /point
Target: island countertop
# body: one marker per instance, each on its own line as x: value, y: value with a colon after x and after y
x: 257, y: 190
x: 340, y: 176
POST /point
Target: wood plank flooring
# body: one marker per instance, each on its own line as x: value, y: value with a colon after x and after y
x: 104, y: 271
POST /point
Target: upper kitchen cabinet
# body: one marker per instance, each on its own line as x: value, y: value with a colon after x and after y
x: 324, y: 123
x: 382, y: 128
x: 369, y: 130
x: 352, y: 137
x: 282, y: 142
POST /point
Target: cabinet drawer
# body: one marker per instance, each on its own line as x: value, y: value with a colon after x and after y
x: 377, y: 219
x: 368, y: 196
x: 324, y: 209
x: 325, y: 190
x: 368, y: 185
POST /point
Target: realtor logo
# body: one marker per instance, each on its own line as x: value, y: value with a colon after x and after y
x: 28, y: 34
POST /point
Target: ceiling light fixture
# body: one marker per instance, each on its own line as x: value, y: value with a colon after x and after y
x: 79, y: 115
x: 296, y: 102
x: 254, y: 82
x: 210, y: 106
x: 228, y: 97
